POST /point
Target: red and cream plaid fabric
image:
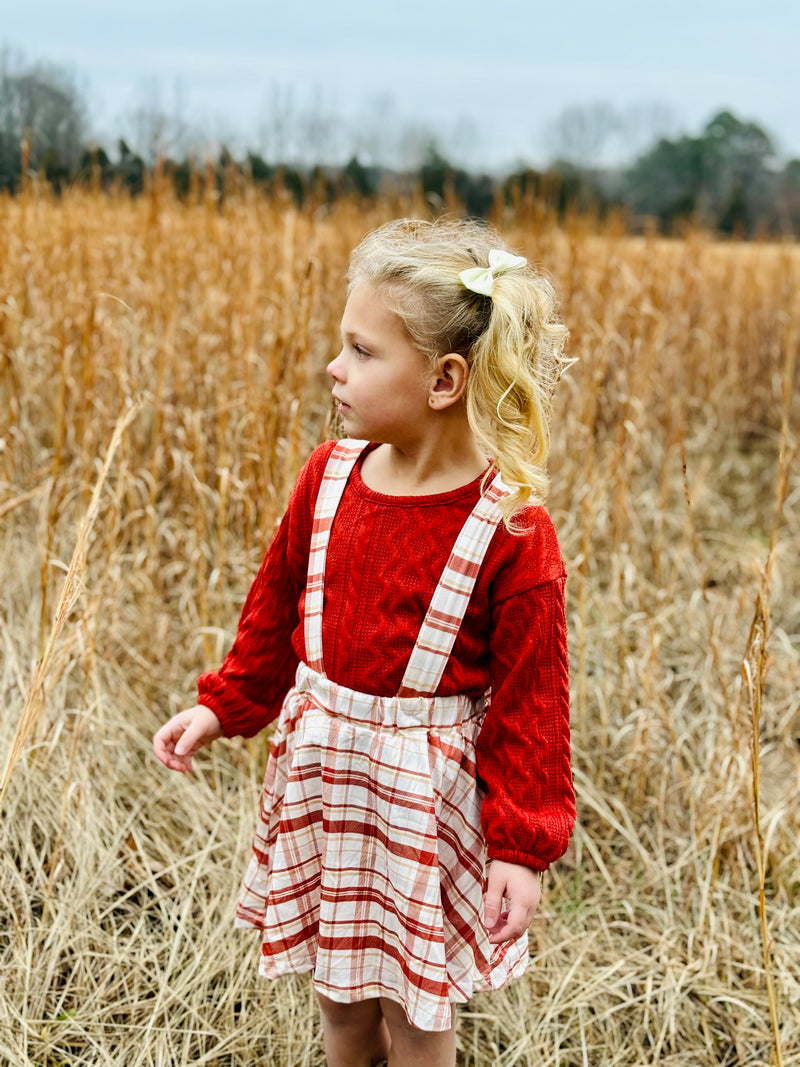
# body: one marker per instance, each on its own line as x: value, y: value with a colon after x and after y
x: 368, y: 865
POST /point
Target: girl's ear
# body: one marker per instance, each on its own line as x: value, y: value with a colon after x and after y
x: 450, y: 381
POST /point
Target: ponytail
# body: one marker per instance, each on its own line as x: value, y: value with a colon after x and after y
x: 515, y: 365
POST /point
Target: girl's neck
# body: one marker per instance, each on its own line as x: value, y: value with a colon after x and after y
x: 433, y: 464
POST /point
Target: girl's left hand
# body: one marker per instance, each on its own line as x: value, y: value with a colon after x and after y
x: 519, y: 889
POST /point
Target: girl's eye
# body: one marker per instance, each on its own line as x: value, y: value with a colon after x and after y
x: 361, y: 352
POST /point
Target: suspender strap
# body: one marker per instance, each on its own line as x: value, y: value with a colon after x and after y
x: 452, y: 595
x: 340, y: 463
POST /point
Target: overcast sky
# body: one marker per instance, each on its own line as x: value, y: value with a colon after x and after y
x: 491, y: 76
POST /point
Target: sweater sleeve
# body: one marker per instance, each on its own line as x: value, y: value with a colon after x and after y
x: 247, y: 692
x: 523, y: 751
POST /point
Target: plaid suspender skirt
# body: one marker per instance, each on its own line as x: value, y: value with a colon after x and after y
x: 368, y: 865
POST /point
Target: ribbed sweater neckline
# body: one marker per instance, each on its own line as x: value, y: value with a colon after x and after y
x: 450, y: 496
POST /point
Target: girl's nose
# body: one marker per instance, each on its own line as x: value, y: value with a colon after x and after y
x: 334, y: 368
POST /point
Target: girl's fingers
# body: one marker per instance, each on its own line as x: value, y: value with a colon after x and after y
x: 514, y: 923
x: 189, y: 741
x: 177, y: 740
x: 493, y: 901
x: 517, y: 890
x: 201, y: 727
x: 165, y: 743
x: 164, y: 739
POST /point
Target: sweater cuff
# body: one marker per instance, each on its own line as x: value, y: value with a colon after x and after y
x: 238, y: 716
x: 522, y: 859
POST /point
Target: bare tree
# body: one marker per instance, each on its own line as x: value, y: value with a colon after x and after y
x: 595, y: 135
x: 277, y: 124
x: 301, y: 131
x: 642, y: 124
x: 581, y: 133
x: 320, y: 131
x: 41, y: 104
x: 157, y: 131
x: 373, y: 131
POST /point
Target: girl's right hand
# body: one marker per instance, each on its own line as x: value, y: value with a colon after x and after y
x: 185, y: 733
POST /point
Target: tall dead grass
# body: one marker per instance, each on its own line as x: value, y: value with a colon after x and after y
x: 670, y: 932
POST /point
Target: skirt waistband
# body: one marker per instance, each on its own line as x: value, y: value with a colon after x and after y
x: 401, y: 713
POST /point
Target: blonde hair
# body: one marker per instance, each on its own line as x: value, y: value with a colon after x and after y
x: 511, y: 340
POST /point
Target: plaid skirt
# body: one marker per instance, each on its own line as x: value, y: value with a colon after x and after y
x: 368, y: 866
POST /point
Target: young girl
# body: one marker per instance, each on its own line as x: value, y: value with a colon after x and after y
x: 407, y: 630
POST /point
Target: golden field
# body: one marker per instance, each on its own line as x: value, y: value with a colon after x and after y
x: 670, y: 933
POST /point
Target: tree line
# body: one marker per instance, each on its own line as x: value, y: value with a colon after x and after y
x: 727, y: 177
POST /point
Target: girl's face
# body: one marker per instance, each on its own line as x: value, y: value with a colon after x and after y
x: 381, y: 382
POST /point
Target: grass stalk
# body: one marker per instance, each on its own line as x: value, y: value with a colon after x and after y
x: 754, y: 671
x: 70, y: 593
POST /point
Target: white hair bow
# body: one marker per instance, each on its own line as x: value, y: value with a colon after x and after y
x: 481, y: 279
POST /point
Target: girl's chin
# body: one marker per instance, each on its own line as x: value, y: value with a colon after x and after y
x: 349, y: 421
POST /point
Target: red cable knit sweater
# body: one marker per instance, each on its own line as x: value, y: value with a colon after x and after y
x: 384, y: 560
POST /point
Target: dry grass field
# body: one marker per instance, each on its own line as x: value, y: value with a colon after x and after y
x: 670, y: 933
